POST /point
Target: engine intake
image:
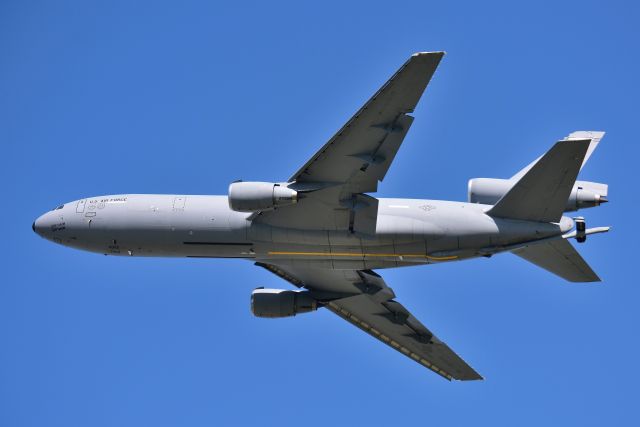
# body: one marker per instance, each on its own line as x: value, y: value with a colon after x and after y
x: 280, y: 303
x: 260, y: 196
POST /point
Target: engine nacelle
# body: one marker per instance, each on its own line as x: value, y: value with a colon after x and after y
x: 260, y: 196
x: 488, y: 191
x: 584, y: 194
x: 587, y: 195
x: 281, y: 303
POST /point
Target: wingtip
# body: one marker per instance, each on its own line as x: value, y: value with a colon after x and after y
x: 440, y: 53
x: 473, y: 377
x: 465, y: 379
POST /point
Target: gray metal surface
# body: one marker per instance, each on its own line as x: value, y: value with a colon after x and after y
x: 584, y: 194
x: 594, y: 136
x: 358, y: 156
x: 364, y: 299
x: 367, y: 139
x: 322, y: 232
x: 559, y: 258
x: 542, y: 192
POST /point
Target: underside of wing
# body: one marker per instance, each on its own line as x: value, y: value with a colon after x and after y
x: 358, y: 156
x: 560, y: 258
x: 393, y: 324
x: 361, y: 152
x: 362, y: 298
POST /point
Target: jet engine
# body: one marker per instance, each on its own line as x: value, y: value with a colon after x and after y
x: 260, y: 196
x: 584, y: 194
x: 281, y: 303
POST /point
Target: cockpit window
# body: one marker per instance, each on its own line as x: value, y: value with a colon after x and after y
x: 59, y: 207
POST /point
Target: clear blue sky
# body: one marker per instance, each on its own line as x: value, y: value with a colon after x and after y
x: 185, y: 97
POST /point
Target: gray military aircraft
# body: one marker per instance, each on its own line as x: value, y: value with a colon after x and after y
x: 323, y: 233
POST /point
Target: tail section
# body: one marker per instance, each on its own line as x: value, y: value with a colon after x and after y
x: 541, y: 194
x: 594, y: 136
x: 584, y: 194
x: 560, y: 258
x: 542, y: 191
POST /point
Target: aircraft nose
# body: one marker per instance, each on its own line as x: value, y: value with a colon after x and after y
x: 39, y: 226
x: 42, y: 225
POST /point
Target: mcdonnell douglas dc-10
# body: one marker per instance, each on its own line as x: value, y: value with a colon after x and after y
x: 322, y: 232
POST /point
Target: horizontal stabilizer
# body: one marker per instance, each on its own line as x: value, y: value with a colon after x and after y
x: 542, y: 192
x: 560, y: 258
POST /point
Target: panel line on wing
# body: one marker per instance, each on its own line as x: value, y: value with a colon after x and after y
x: 348, y: 316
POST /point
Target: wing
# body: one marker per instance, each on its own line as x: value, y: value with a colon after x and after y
x: 360, y: 153
x: 363, y: 298
x: 358, y: 156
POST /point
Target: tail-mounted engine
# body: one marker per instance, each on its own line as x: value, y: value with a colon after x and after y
x: 585, y: 194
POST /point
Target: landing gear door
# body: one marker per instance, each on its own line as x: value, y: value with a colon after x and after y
x: 80, y: 206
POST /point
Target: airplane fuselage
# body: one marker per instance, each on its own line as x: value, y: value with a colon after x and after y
x: 408, y: 232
